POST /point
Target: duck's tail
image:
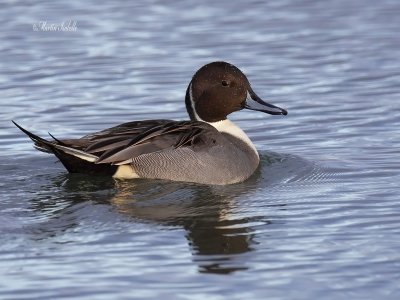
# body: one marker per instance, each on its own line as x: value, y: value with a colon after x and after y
x: 56, y: 147
x: 74, y: 160
x: 40, y: 144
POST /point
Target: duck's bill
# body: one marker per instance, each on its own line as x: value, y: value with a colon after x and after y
x: 254, y: 102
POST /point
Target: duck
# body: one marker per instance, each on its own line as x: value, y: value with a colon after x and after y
x: 207, y: 149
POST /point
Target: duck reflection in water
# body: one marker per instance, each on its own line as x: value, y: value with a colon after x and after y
x: 214, y: 236
x: 218, y: 229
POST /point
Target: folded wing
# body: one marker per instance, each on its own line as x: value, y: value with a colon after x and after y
x: 122, y: 144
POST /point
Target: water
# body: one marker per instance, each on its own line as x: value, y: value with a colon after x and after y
x: 320, y: 218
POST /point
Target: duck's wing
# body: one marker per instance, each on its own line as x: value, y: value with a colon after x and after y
x: 123, y: 143
x: 120, y: 132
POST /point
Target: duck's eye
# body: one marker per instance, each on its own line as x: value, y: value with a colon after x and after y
x: 225, y: 83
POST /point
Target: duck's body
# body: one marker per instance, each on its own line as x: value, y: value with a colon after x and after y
x: 209, y: 149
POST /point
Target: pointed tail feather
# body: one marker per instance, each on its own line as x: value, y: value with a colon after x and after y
x: 40, y: 143
x: 74, y: 160
x: 56, y: 147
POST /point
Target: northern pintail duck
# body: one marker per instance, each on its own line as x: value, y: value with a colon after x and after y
x: 208, y: 149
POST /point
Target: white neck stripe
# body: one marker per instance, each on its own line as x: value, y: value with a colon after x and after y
x: 196, y: 116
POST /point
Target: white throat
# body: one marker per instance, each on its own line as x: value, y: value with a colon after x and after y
x: 231, y: 128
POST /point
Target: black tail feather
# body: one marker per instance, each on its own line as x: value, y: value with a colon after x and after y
x: 40, y: 143
x: 57, y: 140
x: 71, y: 163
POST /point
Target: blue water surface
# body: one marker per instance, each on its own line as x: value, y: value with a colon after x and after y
x: 320, y: 219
